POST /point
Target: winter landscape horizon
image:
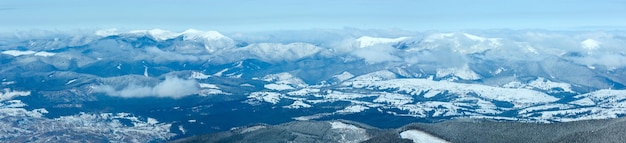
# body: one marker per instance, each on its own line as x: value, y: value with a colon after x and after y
x: 312, y: 71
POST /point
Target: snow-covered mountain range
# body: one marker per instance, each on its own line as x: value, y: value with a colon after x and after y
x: 109, y: 79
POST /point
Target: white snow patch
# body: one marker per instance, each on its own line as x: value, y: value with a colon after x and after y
x: 393, y: 99
x: 284, y: 78
x: 270, y: 97
x: 145, y: 71
x: 546, y: 84
x: 199, y: 75
x: 10, y: 94
x: 18, y: 53
x: 107, y: 32
x: 212, y: 91
x: 341, y: 125
x: 532, y: 50
x: 70, y: 81
x: 464, y: 73
x: 499, y: 70
x: 540, y: 83
x: 182, y: 129
x: 157, y: 34
x: 44, y: 54
x: 438, y: 36
x: 152, y: 121
x: 421, y: 137
x: 297, y: 105
x: 591, y: 67
x: 8, y: 82
x: 108, y: 124
x: 348, y: 133
x: 338, y: 95
x: 304, y: 91
x: 22, y: 53
x: 432, y: 93
x: 278, y: 87
x: 205, y: 35
x: 353, y: 109
x: 253, y: 128
x: 283, y: 81
x: 545, y: 107
x: 583, y: 102
x: 246, y: 85
x: 344, y: 76
x: 233, y: 75
x: 206, y: 85
x: 238, y: 64
x: 578, y: 114
x: 474, y: 37
x: 375, y: 76
x: 311, y: 117
x: 614, y: 95
x: 219, y: 73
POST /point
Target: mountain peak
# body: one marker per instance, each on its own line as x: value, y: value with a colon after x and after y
x: 205, y: 35
x: 590, y: 44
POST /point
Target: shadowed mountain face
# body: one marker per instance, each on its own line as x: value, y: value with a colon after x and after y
x: 456, y: 131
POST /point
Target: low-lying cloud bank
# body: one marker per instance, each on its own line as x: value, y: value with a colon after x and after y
x: 171, y: 87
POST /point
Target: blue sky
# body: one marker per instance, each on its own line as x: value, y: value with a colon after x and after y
x: 258, y: 15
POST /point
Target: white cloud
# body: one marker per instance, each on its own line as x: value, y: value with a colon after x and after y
x: 377, y: 54
x: 176, y: 87
x: 612, y: 61
x: 171, y: 87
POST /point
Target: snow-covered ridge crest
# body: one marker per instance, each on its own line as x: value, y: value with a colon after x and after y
x: 212, y: 41
x: 520, y: 97
x: 197, y: 34
x: 344, y: 76
x: 160, y: 34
